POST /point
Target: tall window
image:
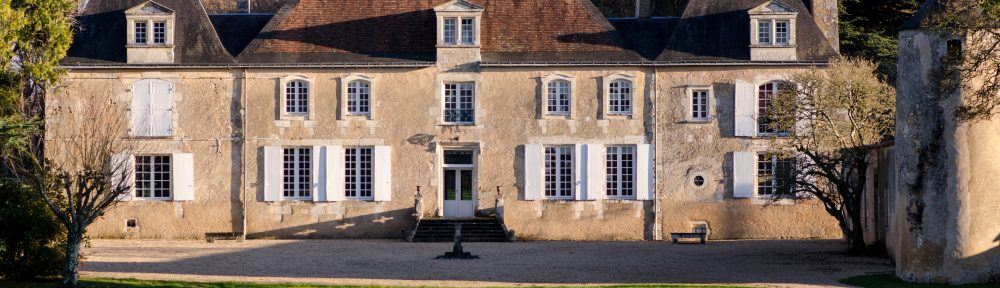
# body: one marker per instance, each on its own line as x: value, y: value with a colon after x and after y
x: 620, y: 165
x: 781, y: 32
x: 359, y: 97
x: 358, y: 173
x: 450, y: 31
x: 558, y: 97
x: 559, y: 172
x: 152, y: 177
x: 764, y: 32
x: 297, y: 97
x: 699, y: 105
x: 140, y: 33
x: 468, y: 31
x: 159, y: 32
x: 297, y: 173
x: 459, y: 103
x: 620, y: 97
x: 152, y: 108
x: 774, y: 175
x: 765, y: 94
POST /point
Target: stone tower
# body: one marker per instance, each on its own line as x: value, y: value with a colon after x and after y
x: 947, y: 213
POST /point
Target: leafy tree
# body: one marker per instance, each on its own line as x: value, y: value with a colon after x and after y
x: 32, y: 245
x: 834, y: 117
x: 975, y: 67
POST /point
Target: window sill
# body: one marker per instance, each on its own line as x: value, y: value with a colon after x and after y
x: 456, y: 124
x: 622, y: 200
x: 765, y: 200
x: 458, y: 46
x: 772, y: 46
x: 149, y: 199
x: 698, y: 121
x: 135, y: 137
x: 149, y: 46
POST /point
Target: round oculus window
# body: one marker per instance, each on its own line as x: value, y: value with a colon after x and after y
x: 699, y: 181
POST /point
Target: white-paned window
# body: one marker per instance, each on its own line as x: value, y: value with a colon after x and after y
x: 459, y: 103
x: 764, y: 32
x: 152, y: 108
x: 773, y: 173
x: 559, y: 172
x: 620, y: 97
x: 359, y: 97
x: 358, y: 173
x: 468, y: 31
x: 297, y: 173
x: 140, y: 33
x: 765, y: 95
x: 620, y: 172
x: 558, y: 98
x: 450, y: 31
x: 159, y: 32
x: 152, y: 177
x: 699, y: 105
x: 781, y: 32
x: 297, y: 97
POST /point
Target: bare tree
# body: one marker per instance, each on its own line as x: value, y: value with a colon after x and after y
x: 83, y: 172
x: 975, y: 66
x: 833, y: 117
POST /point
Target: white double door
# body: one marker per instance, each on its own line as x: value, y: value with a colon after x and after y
x: 458, y: 192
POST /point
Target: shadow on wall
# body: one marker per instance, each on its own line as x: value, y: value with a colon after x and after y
x: 716, y: 35
x: 379, y: 225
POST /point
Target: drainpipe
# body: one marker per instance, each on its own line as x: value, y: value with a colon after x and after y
x: 243, y: 148
x: 657, y: 230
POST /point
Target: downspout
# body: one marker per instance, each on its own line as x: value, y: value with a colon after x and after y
x: 657, y: 229
x: 243, y: 148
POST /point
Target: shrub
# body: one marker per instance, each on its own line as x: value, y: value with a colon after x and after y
x: 32, y: 239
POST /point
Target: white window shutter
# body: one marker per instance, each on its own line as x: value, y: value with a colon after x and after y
x: 532, y: 171
x: 334, y: 176
x: 745, y: 109
x: 744, y: 173
x: 162, y: 109
x: 595, y: 172
x: 273, y: 176
x: 317, y: 187
x: 644, y: 189
x: 382, y: 174
x: 579, y: 172
x: 182, y: 172
x: 141, y: 108
x: 123, y: 173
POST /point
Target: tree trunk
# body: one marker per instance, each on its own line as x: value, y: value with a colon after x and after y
x: 70, y: 273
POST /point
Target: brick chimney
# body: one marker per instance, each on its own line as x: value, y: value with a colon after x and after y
x: 826, y: 14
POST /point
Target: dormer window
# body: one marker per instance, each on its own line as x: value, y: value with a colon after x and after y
x: 772, y: 33
x: 150, y: 33
x: 458, y: 23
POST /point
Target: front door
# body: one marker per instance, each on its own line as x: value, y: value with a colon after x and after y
x: 458, y: 182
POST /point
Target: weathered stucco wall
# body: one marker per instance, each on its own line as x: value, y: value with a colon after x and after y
x: 406, y: 115
x: 947, y: 200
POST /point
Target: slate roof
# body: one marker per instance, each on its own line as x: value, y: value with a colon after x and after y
x: 714, y: 30
x: 403, y: 31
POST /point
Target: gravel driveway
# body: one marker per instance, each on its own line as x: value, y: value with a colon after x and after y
x: 776, y: 263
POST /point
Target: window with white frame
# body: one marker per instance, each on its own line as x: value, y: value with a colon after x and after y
x: 459, y: 103
x: 152, y: 177
x: 699, y: 104
x: 160, y: 33
x: 359, y: 97
x: 620, y: 172
x: 140, y: 33
x: 781, y: 32
x: 772, y: 32
x: 450, y: 31
x: 774, y: 175
x: 152, y: 108
x: 297, y: 173
x: 765, y: 96
x: 297, y: 97
x: 468, y: 31
x: 358, y: 173
x: 559, y: 172
x: 764, y: 32
x: 558, y: 97
x: 620, y: 97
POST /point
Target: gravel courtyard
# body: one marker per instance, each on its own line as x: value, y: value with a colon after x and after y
x: 777, y: 263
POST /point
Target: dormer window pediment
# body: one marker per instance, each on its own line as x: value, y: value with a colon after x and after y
x: 458, y: 24
x: 773, y: 32
x: 150, y: 34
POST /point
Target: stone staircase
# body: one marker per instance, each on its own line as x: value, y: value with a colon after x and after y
x: 473, y: 230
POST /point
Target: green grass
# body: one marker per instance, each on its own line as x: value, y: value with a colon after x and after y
x: 124, y: 283
x: 890, y: 281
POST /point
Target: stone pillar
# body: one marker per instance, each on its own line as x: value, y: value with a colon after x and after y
x: 947, y: 213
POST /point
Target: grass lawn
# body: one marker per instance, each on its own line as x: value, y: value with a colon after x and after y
x: 123, y: 283
x: 886, y: 280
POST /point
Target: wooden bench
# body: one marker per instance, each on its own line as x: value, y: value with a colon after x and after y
x: 676, y: 237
